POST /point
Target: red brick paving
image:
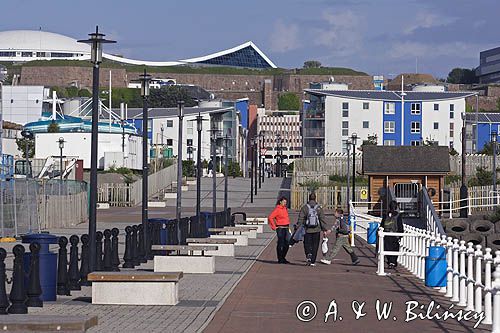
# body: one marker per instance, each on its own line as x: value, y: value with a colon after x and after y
x: 265, y: 300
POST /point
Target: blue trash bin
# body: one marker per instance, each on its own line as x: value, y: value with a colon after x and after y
x: 48, y: 264
x: 372, y: 232
x: 209, y: 221
x: 435, y: 267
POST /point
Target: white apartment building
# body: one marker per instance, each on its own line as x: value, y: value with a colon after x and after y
x: 22, y: 104
x: 281, y: 131
x: 333, y: 116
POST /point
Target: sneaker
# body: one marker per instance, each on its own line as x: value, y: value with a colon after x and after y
x: 312, y: 264
x: 308, y: 262
x: 325, y: 261
x: 392, y: 266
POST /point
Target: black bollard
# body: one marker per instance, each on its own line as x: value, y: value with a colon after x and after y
x: 98, y: 253
x: 135, y: 258
x: 18, y: 294
x: 34, y: 287
x: 4, y: 301
x: 107, y: 261
x: 128, y: 255
x: 85, y: 264
x: 149, y: 253
x: 62, y: 268
x: 115, y: 259
x: 141, y: 255
x: 73, y: 274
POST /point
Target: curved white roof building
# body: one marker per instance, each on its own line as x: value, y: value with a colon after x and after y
x: 28, y: 45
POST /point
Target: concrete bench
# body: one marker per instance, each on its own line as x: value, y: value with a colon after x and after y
x: 225, y: 247
x: 46, y: 323
x: 135, y: 288
x: 259, y: 226
x: 260, y: 220
x: 250, y: 232
x: 190, y: 263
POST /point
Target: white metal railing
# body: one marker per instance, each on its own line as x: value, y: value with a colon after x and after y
x: 361, y: 220
x: 454, y: 206
x: 465, y: 283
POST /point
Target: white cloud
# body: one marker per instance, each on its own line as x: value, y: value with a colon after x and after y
x: 340, y: 32
x: 411, y: 50
x: 428, y: 20
x: 285, y: 37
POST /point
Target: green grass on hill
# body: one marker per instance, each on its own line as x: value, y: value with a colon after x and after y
x: 190, y: 69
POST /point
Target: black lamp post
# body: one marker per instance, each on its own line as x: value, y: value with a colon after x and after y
x: 226, y: 169
x: 199, y: 128
x: 145, y: 79
x: 463, y: 188
x: 179, y: 170
x: 96, y: 39
x: 278, y: 155
x: 354, y: 138
x: 61, y: 147
x: 255, y: 153
x: 251, y: 170
x: 494, y: 139
x: 348, y: 144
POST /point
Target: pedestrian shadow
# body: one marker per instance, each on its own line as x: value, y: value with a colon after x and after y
x: 275, y: 262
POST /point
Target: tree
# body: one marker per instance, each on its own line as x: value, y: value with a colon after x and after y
x: 488, y: 149
x: 462, y: 75
x: 84, y: 93
x: 288, y: 101
x: 483, y: 177
x: 168, y: 97
x: 53, y: 127
x: 312, y: 64
x: 371, y: 140
x: 24, y: 144
x: 188, y: 169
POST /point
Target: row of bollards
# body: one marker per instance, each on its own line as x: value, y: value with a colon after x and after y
x: 107, y: 259
x: 135, y: 252
x: 21, y: 297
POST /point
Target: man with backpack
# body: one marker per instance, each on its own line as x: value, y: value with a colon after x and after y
x: 312, y: 218
x: 342, y: 240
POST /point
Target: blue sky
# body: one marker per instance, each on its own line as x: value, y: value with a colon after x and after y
x: 379, y: 37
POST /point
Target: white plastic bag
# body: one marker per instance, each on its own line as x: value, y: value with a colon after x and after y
x: 324, y: 246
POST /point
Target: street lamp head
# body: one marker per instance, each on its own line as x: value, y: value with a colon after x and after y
x: 27, y: 134
x: 61, y: 142
x: 494, y: 136
x: 96, y: 39
x: 354, y: 138
x: 181, y: 108
x: 145, y: 80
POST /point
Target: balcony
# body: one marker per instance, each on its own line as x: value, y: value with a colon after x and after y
x: 313, y: 132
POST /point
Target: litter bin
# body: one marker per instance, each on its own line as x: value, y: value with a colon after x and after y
x: 48, y: 264
x: 372, y: 232
x: 209, y: 221
x: 435, y: 267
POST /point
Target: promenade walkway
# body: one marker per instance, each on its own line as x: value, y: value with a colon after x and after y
x: 267, y: 297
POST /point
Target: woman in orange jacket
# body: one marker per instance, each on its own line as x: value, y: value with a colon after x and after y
x: 279, y: 221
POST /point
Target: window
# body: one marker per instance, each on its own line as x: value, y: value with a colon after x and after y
x: 452, y: 115
x: 345, y: 109
x: 390, y: 108
x: 366, y: 106
x: 189, y: 129
x: 452, y: 129
x: 389, y: 142
x: 389, y: 127
x: 366, y: 124
x: 415, y: 127
x: 345, y: 128
x: 452, y: 107
x: 170, y: 142
x: 189, y: 142
x: 7, y: 54
x: 436, y: 107
x: 415, y: 108
x: 436, y: 125
x: 170, y: 123
x: 27, y: 54
x: 415, y: 142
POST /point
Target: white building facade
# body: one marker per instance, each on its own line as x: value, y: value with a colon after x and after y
x: 392, y: 118
x: 23, y: 104
x: 281, y: 134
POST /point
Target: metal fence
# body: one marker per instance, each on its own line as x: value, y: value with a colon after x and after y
x: 127, y: 195
x: 27, y: 205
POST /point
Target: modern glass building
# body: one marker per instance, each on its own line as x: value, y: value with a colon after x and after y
x: 489, y: 66
x: 29, y: 45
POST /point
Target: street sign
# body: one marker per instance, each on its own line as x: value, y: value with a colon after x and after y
x: 364, y: 194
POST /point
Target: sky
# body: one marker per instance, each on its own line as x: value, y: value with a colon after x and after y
x: 384, y: 37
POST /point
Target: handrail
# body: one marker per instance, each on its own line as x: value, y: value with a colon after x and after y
x: 464, y: 273
x: 429, y: 213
